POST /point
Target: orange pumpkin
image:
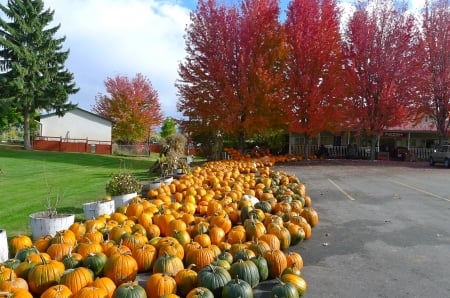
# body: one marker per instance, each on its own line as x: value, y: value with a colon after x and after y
x: 276, y: 262
x: 60, y: 291
x: 105, y: 283
x: 120, y: 268
x: 145, y: 257
x: 159, y: 284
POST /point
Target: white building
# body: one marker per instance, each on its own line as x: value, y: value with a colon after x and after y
x: 76, y: 124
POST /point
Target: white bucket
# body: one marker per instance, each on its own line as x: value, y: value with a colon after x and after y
x: 123, y: 200
x: 3, y: 246
x: 42, y: 224
x: 96, y: 209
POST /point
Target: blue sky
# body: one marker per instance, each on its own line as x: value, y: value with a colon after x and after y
x: 107, y: 38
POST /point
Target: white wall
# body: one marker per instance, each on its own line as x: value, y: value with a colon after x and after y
x: 76, y: 124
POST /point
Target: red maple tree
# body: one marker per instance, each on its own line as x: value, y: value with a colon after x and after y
x: 132, y: 106
x: 381, y: 43
x: 314, y: 73
x: 230, y: 81
x: 435, y: 92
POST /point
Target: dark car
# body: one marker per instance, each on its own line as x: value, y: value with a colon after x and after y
x: 441, y: 155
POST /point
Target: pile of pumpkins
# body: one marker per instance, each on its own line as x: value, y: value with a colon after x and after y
x: 218, y: 231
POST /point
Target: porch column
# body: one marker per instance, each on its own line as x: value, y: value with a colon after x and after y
x: 409, y: 138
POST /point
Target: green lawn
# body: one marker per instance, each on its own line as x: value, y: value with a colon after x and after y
x: 27, y: 176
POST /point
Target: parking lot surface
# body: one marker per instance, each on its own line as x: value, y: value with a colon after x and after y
x: 384, y: 229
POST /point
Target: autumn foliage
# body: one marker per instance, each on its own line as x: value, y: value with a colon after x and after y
x: 314, y: 88
x: 230, y: 81
x: 435, y: 92
x: 319, y: 69
x: 132, y: 106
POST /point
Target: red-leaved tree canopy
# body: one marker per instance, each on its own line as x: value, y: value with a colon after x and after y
x: 132, y: 106
x: 435, y: 92
x: 314, y: 86
x: 230, y: 81
x: 381, y: 44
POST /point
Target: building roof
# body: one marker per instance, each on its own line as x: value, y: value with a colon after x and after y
x: 76, y: 108
x: 426, y: 125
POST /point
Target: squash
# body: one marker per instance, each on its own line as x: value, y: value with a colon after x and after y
x: 246, y: 271
x: 130, y: 290
x: 297, y: 281
x: 168, y: 264
x: 13, y: 282
x: 159, y: 284
x: 18, y: 242
x: 237, y: 288
x: 95, y: 261
x: 213, y: 278
x: 200, y: 292
x: 145, y: 257
x: 282, y: 289
x: 72, y: 260
x: 77, y: 278
x: 91, y: 292
x: 186, y: 280
x: 43, y: 276
x: 201, y: 257
x: 105, y: 283
x: 121, y: 268
x: 276, y: 262
x: 261, y: 264
x: 311, y: 216
x: 59, y: 291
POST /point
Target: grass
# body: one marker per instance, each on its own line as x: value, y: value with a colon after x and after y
x: 27, y: 178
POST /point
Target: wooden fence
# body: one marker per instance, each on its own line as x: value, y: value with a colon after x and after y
x: 60, y: 144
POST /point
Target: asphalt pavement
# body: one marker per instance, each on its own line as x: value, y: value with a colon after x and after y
x: 384, y: 229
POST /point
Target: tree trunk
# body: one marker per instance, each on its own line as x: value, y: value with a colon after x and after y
x: 373, y: 142
x: 307, y: 147
x: 241, y: 141
x: 26, y: 131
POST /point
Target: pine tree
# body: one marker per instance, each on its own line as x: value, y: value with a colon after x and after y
x: 32, y: 72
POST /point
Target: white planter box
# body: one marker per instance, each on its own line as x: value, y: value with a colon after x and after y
x: 42, y: 224
x: 96, y: 209
x: 3, y: 246
x: 123, y: 200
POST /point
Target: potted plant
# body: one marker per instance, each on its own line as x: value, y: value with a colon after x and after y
x: 50, y: 221
x: 122, y: 187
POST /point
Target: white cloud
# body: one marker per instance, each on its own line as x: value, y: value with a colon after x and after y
x: 122, y: 37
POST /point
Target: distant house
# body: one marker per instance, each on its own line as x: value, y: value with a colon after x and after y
x: 76, y: 124
x: 77, y: 131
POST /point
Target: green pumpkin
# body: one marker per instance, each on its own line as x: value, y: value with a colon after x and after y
x: 201, y: 292
x: 225, y: 255
x: 286, y: 290
x: 264, y: 206
x: 213, y: 278
x: 291, y: 270
x: 243, y: 254
x: 71, y: 261
x: 129, y: 290
x: 11, y: 263
x: 263, y: 268
x: 247, y: 271
x: 23, y: 253
x: 245, y: 212
x: 169, y: 264
x: 237, y: 288
x: 95, y: 261
x: 222, y: 263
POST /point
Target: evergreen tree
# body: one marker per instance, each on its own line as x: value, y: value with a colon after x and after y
x: 32, y: 72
